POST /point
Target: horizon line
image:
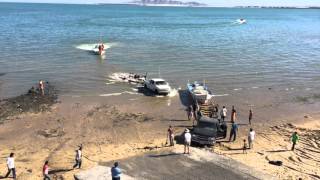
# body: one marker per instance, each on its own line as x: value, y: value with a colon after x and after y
x: 128, y: 3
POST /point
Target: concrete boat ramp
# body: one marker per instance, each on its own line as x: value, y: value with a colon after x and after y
x: 173, y: 165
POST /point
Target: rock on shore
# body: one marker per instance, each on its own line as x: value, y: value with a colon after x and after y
x: 32, y: 101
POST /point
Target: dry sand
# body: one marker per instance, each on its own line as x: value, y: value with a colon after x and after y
x: 113, y: 132
x: 273, y: 144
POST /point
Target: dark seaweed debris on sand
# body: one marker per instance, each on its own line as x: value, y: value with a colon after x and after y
x: 32, y: 101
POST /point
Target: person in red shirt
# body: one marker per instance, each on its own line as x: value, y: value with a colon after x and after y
x: 45, y: 171
x: 102, y: 46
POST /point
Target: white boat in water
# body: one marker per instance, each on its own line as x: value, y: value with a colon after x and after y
x: 199, y: 92
x: 241, y: 21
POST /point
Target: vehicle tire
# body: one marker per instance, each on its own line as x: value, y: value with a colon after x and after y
x: 156, y: 91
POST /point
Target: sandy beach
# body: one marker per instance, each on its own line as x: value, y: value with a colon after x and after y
x: 110, y: 130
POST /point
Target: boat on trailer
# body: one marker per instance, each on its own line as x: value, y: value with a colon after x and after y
x: 199, y: 92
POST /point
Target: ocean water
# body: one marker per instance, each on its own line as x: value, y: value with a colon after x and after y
x: 277, y: 48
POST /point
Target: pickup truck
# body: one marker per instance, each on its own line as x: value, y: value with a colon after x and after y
x: 208, y: 130
x: 158, y: 86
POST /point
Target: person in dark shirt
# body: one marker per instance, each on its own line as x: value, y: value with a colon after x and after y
x: 250, y: 116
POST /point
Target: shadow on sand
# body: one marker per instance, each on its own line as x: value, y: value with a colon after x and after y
x: 281, y: 150
x: 54, y: 171
x: 175, y: 120
x: 164, y: 155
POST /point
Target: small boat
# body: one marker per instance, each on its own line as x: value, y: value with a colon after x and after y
x: 199, y: 92
x: 241, y: 21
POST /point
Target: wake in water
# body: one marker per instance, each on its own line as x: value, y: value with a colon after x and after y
x: 239, y: 22
x: 118, y: 94
x: 131, y: 78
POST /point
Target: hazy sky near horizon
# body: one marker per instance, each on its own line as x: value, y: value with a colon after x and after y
x: 209, y: 2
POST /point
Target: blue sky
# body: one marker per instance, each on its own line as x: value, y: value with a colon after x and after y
x: 210, y: 2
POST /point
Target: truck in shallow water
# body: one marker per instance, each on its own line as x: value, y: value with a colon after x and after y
x: 208, y: 130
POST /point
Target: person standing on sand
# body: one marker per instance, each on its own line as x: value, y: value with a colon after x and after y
x: 233, y: 131
x: 78, y: 158
x: 215, y: 111
x: 171, y: 135
x: 223, y: 113
x: 250, y: 115
x: 115, y: 171
x: 233, y: 115
x: 195, y: 110
x: 11, y: 167
x: 251, y: 137
x: 190, y: 112
x: 294, y: 140
x: 187, y: 141
x: 244, y: 147
x: 45, y: 171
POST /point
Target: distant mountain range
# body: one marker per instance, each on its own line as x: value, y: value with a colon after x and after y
x: 280, y: 7
x: 166, y: 3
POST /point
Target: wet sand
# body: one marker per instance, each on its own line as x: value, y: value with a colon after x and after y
x: 112, y: 128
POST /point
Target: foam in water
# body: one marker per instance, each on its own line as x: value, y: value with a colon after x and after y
x: 118, y: 94
x: 237, y: 89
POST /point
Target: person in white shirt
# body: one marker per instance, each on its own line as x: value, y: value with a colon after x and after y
x: 251, y: 137
x: 78, y: 158
x: 187, y: 141
x: 223, y: 113
x: 11, y: 167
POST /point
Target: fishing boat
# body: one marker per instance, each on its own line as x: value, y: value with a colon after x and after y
x: 199, y: 92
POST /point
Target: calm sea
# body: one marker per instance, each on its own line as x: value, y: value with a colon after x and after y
x: 277, y: 48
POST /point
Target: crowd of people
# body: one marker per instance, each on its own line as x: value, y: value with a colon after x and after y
x: 193, y: 114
